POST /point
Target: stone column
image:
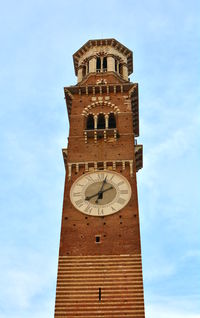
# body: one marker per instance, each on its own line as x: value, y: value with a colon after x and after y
x: 118, y: 67
x: 95, y: 121
x: 106, y: 118
x: 86, y: 166
x: 92, y: 65
x: 77, y: 167
x: 101, y: 63
x: 69, y: 171
x: 125, y: 72
x: 80, y: 74
x: 131, y: 167
x: 110, y: 64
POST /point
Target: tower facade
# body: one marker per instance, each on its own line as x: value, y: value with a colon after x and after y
x: 100, y: 267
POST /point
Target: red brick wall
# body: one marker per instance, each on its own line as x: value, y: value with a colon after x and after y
x: 119, y: 278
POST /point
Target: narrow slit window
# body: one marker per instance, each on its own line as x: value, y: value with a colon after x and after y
x: 99, y: 294
x: 98, y: 239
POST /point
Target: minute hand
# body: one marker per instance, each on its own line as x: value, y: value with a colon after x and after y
x: 101, y: 190
x: 94, y: 195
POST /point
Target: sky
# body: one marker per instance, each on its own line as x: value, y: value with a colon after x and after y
x: 37, y: 40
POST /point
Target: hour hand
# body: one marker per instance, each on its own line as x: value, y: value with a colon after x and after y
x: 91, y: 196
x: 100, y: 195
x: 94, y: 195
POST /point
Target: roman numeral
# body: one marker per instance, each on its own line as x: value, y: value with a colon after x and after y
x: 76, y: 194
x: 120, y: 183
x: 100, y: 212
x: 121, y: 201
x: 123, y: 191
x: 88, y: 209
x: 80, y: 185
x: 101, y: 176
x: 79, y: 203
x: 89, y: 179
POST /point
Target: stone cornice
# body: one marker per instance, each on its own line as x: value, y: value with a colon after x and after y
x: 100, y: 89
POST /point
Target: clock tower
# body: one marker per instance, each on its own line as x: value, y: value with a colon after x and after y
x: 100, y: 266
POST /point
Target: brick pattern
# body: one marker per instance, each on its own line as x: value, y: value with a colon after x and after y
x: 118, y: 276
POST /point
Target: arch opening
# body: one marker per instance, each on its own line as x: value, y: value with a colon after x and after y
x: 116, y: 62
x: 98, y: 64
x: 111, y: 121
x: 88, y: 67
x: 120, y: 69
x: 101, y: 121
x: 84, y: 70
x: 104, y: 64
x: 90, y: 122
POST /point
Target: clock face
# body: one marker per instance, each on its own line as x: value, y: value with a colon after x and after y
x: 100, y: 193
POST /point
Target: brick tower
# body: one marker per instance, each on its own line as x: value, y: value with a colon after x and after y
x: 100, y: 268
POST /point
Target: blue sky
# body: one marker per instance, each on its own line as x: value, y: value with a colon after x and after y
x: 38, y: 39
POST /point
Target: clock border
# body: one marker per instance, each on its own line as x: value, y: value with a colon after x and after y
x: 100, y: 171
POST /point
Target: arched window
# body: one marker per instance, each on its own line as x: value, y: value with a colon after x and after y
x: 101, y: 121
x: 84, y: 70
x: 98, y: 64
x: 115, y: 65
x: 90, y: 122
x: 111, y: 121
x: 120, y: 69
x: 88, y: 68
x: 104, y: 64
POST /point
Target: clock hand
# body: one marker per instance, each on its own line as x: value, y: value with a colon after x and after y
x: 94, y: 195
x: 103, y: 183
x: 101, y: 194
x: 91, y: 196
x: 100, y: 191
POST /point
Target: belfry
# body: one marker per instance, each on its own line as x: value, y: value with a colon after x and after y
x: 100, y: 265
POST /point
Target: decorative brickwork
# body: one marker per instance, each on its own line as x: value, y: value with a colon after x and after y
x: 119, y: 277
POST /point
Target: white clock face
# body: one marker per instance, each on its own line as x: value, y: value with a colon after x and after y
x: 100, y: 193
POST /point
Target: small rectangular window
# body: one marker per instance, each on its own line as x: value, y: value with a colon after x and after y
x: 97, y: 239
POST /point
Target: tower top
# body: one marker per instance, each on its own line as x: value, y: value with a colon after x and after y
x: 103, y: 55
